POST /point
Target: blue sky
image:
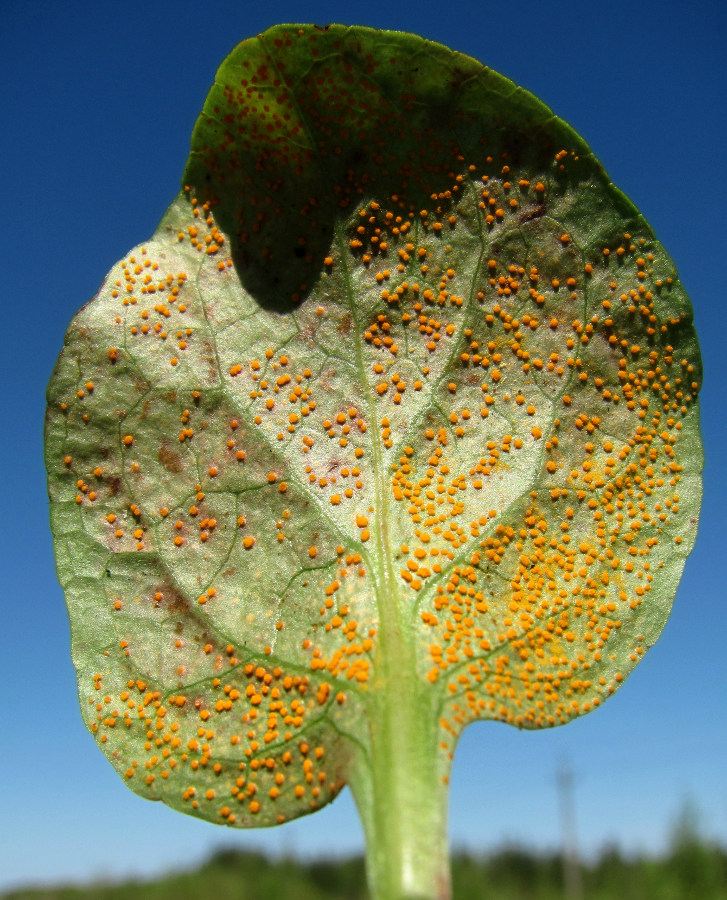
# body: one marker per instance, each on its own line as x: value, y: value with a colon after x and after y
x: 97, y: 111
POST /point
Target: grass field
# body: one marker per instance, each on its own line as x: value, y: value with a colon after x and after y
x: 692, y: 870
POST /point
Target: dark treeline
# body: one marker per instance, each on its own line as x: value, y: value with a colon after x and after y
x: 692, y: 870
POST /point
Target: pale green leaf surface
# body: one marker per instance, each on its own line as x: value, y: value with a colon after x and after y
x: 417, y: 425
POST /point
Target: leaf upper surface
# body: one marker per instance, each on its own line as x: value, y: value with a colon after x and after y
x: 400, y: 370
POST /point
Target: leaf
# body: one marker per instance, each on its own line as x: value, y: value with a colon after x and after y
x: 391, y: 426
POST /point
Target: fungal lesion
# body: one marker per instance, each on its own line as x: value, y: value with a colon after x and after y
x: 249, y: 745
x: 579, y: 565
x: 257, y: 729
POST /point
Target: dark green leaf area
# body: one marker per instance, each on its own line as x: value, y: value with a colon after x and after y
x: 447, y: 459
x: 302, y: 124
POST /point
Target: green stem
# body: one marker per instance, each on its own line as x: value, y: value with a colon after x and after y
x: 401, y: 784
x: 402, y: 792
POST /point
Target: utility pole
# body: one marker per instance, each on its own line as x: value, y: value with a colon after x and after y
x: 571, y: 867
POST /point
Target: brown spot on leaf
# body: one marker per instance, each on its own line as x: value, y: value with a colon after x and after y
x: 344, y: 326
x: 535, y: 213
x: 170, y: 459
x: 175, y: 602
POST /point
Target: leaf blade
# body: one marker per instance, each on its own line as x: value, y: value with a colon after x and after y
x: 378, y: 442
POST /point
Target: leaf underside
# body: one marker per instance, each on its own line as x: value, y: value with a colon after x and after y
x: 399, y: 368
